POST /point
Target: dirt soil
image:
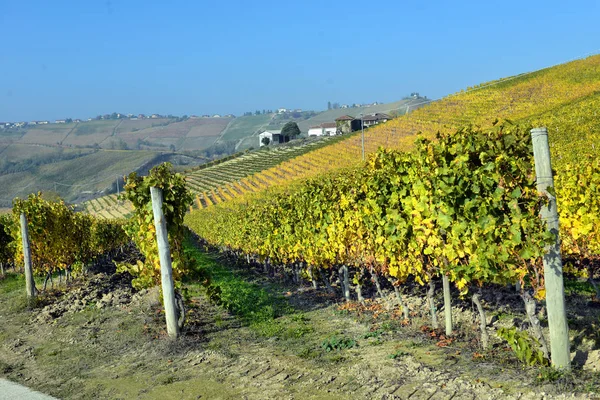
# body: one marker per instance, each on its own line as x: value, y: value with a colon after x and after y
x: 102, y: 339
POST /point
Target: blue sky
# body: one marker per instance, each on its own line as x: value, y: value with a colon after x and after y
x: 82, y: 58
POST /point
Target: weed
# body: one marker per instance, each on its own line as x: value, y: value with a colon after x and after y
x: 335, y: 343
x: 549, y: 374
x: 308, y: 353
x: 335, y: 358
x: 563, y: 380
x: 390, y: 326
x: 300, y: 317
x: 414, y: 344
x: 270, y: 328
x: 373, y: 334
x: 293, y: 327
x: 398, y: 354
x: 525, y: 347
x: 167, y: 380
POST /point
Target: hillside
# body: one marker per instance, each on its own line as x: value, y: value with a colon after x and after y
x: 149, y: 133
x: 564, y: 98
x: 35, y: 157
x: 213, y: 184
x: 398, y: 107
x: 81, y: 159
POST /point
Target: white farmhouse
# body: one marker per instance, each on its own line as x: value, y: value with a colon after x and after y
x: 274, y: 137
x: 325, y: 129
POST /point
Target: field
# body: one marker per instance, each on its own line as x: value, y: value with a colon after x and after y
x: 314, y: 275
x: 461, y: 210
x: 20, y: 152
x: 535, y: 98
x: 127, y: 125
x: 245, y: 126
x: 52, y: 134
x: 159, y: 134
x: 216, y: 183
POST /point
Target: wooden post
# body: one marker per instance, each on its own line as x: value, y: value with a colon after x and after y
x: 553, y: 274
x: 166, y: 271
x: 447, y: 304
x: 29, y: 282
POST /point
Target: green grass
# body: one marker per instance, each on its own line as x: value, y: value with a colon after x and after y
x: 578, y: 287
x: 11, y: 283
x: 247, y: 300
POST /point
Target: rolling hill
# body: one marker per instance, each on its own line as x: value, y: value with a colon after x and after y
x: 564, y: 98
x: 55, y: 157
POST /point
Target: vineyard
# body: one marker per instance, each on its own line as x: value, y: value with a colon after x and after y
x: 108, y: 207
x: 62, y: 241
x: 304, y: 269
x: 565, y: 99
x: 462, y: 209
x: 221, y: 181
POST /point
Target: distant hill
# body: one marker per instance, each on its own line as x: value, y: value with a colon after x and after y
x: 138, y: 134
x: 82, y: 160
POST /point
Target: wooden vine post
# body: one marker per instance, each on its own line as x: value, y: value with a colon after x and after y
x: 447, y: 304
x: 29, y: 282
x: 553, y: 272
x: 166, y: 270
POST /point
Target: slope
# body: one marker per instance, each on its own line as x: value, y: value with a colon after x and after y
x: 565, y: 98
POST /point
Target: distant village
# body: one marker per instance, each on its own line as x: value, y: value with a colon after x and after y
x: 341, y: 125
x: 113, y: 116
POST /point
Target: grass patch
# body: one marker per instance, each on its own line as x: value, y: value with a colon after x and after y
x: 12, y: 282
x: 573, y: 287
x: 249, y: 301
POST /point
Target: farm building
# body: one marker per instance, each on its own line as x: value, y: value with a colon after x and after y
x: 275, y: 137
x: 347, y: 124
x: 325, y: 129
x: 374, y: 119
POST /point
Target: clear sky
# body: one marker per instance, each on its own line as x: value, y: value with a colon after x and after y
x: 81, y: 58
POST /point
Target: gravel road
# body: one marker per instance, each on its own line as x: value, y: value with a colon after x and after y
x: 12, y: 391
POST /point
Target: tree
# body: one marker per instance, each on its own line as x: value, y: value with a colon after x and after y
x: 290, y: 130
x: 329, y: 105
x: 265, y: 141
